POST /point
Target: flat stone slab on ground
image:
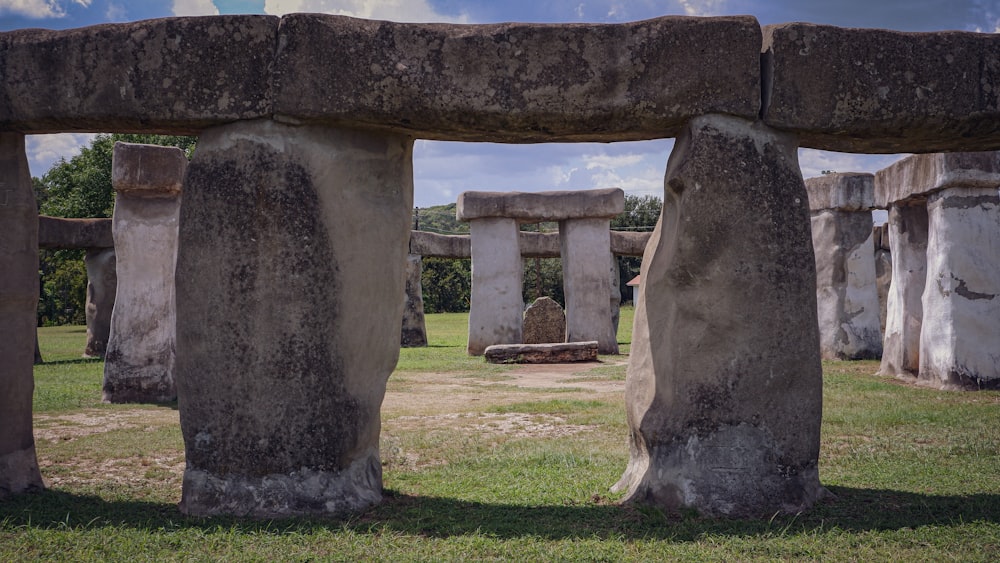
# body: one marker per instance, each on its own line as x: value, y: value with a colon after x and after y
x: 561, y: 353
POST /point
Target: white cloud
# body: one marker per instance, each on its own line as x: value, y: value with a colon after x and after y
x: 84, y: 3
x: 32, y: 8
x: 394, y: 10
x: 579, y: 11
x: 195, y: 8
x: 703, y: 7
x: 115, y: 13
x: 813, y: 162
x: 44, y: 150
x: 607, y: 161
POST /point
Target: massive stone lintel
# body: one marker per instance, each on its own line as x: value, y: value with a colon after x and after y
x: 536, y: 207
x: 433, y: 245
x: 724, y: 385
x: 57, y: 232
x: 496, y: 302
x: 550, y: 353
x: 517, y: 82
x: 908, y: 231
x: 846, y: 292
x: 414, y: 331
x: 879, y: 91
x: 287, y: 320
x: 102, y: 285
x: 533, y: 245
x: 139, y: 363
x: 18, y: 301
x: 916, y: 177
x: 169, y: 75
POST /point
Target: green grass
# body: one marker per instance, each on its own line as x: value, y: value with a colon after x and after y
x: 916, y: 474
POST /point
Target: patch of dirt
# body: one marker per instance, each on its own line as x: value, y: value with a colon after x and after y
x: 64, y: 427
x: 515, y: 424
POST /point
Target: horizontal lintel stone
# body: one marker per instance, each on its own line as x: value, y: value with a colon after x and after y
x: 517, y: 82
x: 881, y: 91
x: 845, y: 191
x: 920, y: 175
x: 556, y: 353
x: 532, y: 245
x: 57, y: 232
x: 169, y: 75
x: 536, y: 207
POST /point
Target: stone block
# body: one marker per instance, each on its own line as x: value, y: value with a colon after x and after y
x: 544, y: 322
x: 102, y: 285
x: 560, y: 353
x: 624, y: 243
x: 414, y: 331
x: 433, y: 245
x: 586, y: 255
x: 496, y: 303
x: 919, y: 175
x: 517, y: 82
x: 538, y: 245
x: 880, y: 91
x: 537, y: 207
x: 169, y: 75
x: 57, y: 232
x: 847, y: 191
x: 908, y: 230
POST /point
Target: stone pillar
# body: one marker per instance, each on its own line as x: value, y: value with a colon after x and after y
x: 960, y: 333
x: 414, y: 332
x: 904, y: 311
x: 883, y: 270
x: 139, y: 363
x: 724, y: 386
x: 846, y: 291
x: 18, y: 304
x: 616, y: 296
x: 288, y: 318
x: 497, y: 305
x: 586, y: 252
x: 102, y: 283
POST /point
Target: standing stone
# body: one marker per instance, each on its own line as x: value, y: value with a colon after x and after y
x: 18, y: 302
x: 586, y: 252
x: 846, y: 291
x: 904, y: 310
x: 724, y: 386
x: 288, y: 315
x: 414, y: 332
x: 616, y: 296
x: 544, y: 322
x: 883, y: 270
x: 102, y: 283
x: 960, y: 334
x: 496, y: 301
x: 139, y: 364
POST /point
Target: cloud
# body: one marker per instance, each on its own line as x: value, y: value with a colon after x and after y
x: 45, y: 150
x: 813, y: 162
x: 703, y: 7
x: 195, y: 8
x: 115, y: 13
x: 32, y: 8
x: 394, y: 10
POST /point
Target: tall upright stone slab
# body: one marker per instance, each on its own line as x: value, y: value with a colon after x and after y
x: 287, y: 319
x: 139, y: 363
x: 414, y: 331
x: 102, y: 284
x: 883, y: 270
x: 586, y: 253
x: 496, y: 300
x: 18, y: 301
x: 846, y: 290
x: 724, y: 385
x: 907, y: 228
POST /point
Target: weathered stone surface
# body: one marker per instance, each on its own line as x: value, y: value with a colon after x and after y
x: 139, y: 363
x: 724, y: 387
x: 560, y: 353
x: 845, y: 191
x: 414, y: 331
x: 535, y: 207
x: 288, y: 320
x: 883, y: 271
x: 433, y: 245
x: 538, y: 245
x: 18, y: 301
x: 846, y: 290
x: 102, y: 284
x: 517, y: 82
x: 960, y: 332
x: 616, y: 296
x: 171, y: 75
x: 544, y: 322
x: 919, y: 175
x: 629, y: 244
x: 908, y: 231
x: 586, y: 253
x: 57, y: 232
x: 879, y: 91
x: 496, y: 306
x: 532, y: 245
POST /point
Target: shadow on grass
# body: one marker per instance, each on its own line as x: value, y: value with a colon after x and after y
x: 73, y: 361
x: 855, y: 510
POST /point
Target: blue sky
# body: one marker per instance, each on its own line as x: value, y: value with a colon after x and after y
x: 443, y: 170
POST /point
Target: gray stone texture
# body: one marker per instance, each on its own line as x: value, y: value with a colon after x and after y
x: 57, y: 232
x: 586, y: 253
x: 846, y: 290
x: 427, y: 244
x: 555, y: 353
x: 724, y: 386
x: 169, y: 75
x: 139, y: 362
x: 960, y: 330
x: 288, y: 320
x: 908, y: 231
x: 496, y: 303
x: 517, y: 82
x: 532, y: 245
x: 880, y: 91
x: 414, y: 331
x: 537, y: 207
x: 18, y: 301
x: 917, y: 176
x: 544, y: 322
x: 102, y: 285
x: 883, y: 270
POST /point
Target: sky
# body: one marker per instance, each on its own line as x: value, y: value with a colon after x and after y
x: 442, y: 170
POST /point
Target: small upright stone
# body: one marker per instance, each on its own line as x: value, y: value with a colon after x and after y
x: 102, y: 284
x: 544, y: 322
x: 414, y: 331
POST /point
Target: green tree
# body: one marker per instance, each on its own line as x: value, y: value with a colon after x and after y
x: 80, y: 188
x: 640, y: 215
x: 446, y: 285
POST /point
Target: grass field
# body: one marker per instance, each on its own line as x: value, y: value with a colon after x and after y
x: 497, y: 462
